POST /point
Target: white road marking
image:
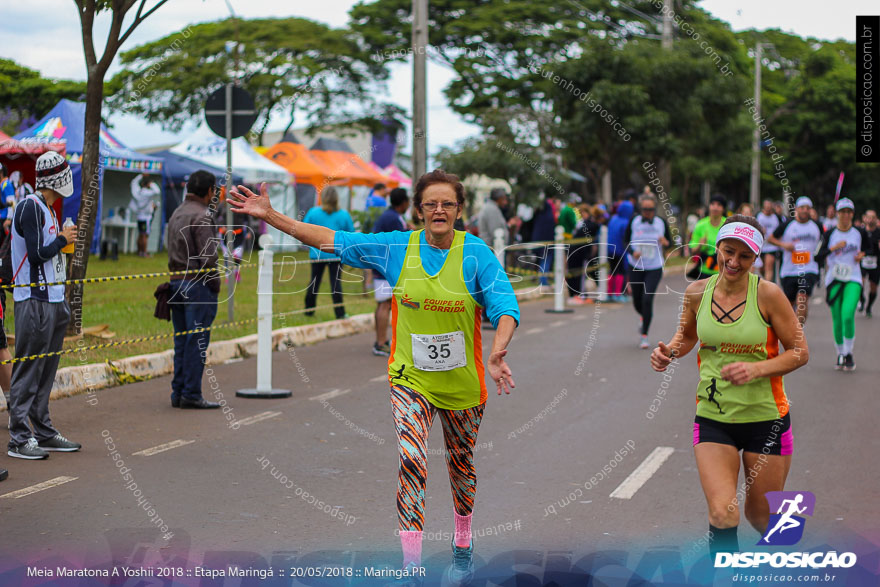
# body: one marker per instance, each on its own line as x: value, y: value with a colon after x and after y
x: 38, y: 487
x: 148, y: 452
x: 258, y: 418
x: 816, y: 301
x: 330, y: 394
x: 558, y: 323
x: 642, y: 473
x: 383, y: 377
x: 534, y: 330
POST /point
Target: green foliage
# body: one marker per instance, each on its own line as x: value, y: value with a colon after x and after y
x: 25, y: 93
x: 285, y: 63
x: 809, y: 110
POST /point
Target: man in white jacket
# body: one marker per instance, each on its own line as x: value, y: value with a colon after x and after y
x: 144, y: 193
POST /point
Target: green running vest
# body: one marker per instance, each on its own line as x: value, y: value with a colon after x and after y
x: 436, y: 347
x: 747, y: 339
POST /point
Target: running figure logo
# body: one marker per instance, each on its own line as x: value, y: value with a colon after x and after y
x: 786, y: 527
x: 408, y: 302
x: 713, y: 389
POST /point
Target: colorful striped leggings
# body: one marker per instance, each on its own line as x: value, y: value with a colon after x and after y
x: 413, y: 415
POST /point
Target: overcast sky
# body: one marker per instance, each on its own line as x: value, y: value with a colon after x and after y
x: 45, y: 35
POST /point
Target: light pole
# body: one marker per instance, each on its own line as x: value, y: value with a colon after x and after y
x: 755, y: 187
x: 419, y: 46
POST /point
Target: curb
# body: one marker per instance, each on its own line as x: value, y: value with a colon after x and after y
x: 77, y: 380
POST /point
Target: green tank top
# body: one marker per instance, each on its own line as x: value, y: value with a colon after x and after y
x: 436, y: 347
x: 748, y: 339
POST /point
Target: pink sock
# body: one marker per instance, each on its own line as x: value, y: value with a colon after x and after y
x: 462, y: 530
x: 411, y: 542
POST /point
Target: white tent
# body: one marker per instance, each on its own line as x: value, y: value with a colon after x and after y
x: 206, y: 147
x: 203, y: 145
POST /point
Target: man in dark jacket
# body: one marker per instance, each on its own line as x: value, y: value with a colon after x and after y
x: 192, y: 245
x: 543, y: 230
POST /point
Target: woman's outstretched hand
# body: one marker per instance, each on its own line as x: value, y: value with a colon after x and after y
x: 500, y: 372
x: 247, y: 202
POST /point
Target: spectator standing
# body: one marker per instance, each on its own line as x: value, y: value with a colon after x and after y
x: 376, y: 198
x: 616, y: 251
x: 491, y: 217
x: 144, y: 193
x: 192, y: 245
x: 41, y: 312
x: 580, y: 256
x: 330, y: 216
x: 569, y: 216
x: 391, y: 220
x: 7, y: 190
x: 543, y: 226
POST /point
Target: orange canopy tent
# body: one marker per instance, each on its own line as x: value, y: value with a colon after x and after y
x: 346, y: 165
x: 303, y: 164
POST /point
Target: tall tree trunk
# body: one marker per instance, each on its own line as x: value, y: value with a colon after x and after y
x: 588, y: 169
x: 91, y: 193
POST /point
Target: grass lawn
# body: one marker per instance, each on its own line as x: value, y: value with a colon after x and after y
x: 127, y: 306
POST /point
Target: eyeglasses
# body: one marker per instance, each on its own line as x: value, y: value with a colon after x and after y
x: 649, y: 209
x: 432, y: 206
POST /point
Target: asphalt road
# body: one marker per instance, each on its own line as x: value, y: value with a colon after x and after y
x: 238, y: 486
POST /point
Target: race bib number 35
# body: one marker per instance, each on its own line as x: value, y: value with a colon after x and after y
x: 439, y: 352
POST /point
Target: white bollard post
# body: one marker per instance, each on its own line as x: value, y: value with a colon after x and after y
x: 499, y: 242
x: 559, y: 264
x: 603, y: 270
x: 264, y: 328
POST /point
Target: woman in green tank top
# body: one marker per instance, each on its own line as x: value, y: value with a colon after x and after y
x: 739, y: 321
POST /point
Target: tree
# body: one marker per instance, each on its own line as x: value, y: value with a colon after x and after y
x: 96, y: 69
x: 287, y: 64
x: 26, y: 95
x: 808, y: 108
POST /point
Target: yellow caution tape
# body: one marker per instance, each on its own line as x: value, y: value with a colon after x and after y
x: 129, y: 341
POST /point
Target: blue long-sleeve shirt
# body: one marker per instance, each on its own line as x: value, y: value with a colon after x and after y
x: 385, y: 252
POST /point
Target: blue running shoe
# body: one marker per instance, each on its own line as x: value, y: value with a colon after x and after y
x: 461, y: 572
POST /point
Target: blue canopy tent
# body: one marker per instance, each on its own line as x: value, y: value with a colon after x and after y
x: 66, y: 123
x: 176, y: 170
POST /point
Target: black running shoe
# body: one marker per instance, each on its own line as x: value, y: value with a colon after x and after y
x: 849, y: 363
x: 841, y: 361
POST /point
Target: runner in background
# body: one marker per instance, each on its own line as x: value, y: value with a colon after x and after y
x: 843, y: 247
x: 703, y: 239
x: 739, y: 321
x: 745, y: 209
x: 799, y: 240
x: 644, y: 241
x: 829, y: 221
x: 769, y: 220
x: 870, y: 269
